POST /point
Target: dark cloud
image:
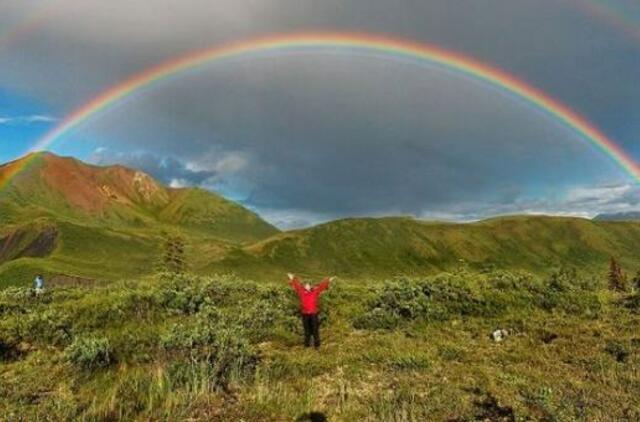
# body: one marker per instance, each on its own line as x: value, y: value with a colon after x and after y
x: 314, y: 136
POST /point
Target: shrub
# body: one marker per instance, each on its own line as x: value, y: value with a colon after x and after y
x: 180, y: 299
x: 447, y: 296
x: 43, y: 325
x: 431, y: 300
x: 187, y: 336
x: 234, y: 358
x: 617, y: 350
x: 632, y: 303
x: 210, y: 353
x: 90, y: 353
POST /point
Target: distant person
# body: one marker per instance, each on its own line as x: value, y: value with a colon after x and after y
x: 38, y: 284
x: 308, y: 296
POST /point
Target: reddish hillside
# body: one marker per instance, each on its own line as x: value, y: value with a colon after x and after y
x: 51, y: 186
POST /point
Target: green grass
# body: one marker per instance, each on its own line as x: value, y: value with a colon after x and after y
x: 223, y: 348
x: 90, y: 252
x: 404, y: 246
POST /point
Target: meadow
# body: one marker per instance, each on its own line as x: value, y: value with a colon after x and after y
x: 192, y: 347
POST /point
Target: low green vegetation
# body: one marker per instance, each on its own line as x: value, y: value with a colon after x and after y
x: 181, y: 347
x: 421, y: 326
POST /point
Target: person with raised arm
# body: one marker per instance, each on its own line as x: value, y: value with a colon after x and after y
x: 309, y: 308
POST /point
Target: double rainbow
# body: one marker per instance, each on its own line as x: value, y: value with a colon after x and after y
x: 612, y: 15
x: 355, y: 42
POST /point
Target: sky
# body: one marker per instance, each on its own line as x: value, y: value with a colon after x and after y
x: 318, y: 135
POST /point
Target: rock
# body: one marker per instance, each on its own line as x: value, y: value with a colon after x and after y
x: 499, y: 335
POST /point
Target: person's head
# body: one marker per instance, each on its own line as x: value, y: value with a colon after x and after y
x: 307, y: 287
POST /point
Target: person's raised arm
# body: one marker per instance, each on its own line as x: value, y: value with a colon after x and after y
x: 294, y: 282
x: 324, y: 284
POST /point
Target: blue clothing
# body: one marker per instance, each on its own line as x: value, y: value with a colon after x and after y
x: 38, y: 282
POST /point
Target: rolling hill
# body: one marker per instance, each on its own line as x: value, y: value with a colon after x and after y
x: 620, y: 216
x: 67, y: 189
x: 61, y: 215
x: 389, y: 246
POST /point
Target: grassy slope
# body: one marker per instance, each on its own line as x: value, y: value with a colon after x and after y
x: 114, y: 239
x: 88, y: 251
x: 103, y: 238
x: 407, y: 246
x: 69, y: 190
x: 213, y: 215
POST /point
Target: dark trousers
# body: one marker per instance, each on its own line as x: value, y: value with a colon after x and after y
x: 311, y: 329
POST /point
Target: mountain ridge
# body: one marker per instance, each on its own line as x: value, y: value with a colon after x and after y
x: 61, y: 215
x: 64, y: 187
x: 394, y: 246
x: 619, y: 216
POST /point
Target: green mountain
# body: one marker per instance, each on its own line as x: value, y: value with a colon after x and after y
x: 389, y: 246
x: 61, y: 215
x: 67, y: 189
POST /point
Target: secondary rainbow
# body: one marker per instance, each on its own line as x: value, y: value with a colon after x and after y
x: 612, y: 15
x: 364, y: 42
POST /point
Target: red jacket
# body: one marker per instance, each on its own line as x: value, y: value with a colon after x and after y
x: 309, y: 298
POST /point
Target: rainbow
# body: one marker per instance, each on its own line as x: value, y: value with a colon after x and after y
x: 611, y: 15
x: 25, y: 28
x: 352, y: 42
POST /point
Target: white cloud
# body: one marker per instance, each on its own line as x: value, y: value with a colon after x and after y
x: 580, y: 201
x: 604, y: 195
x: 228, y: 162
x: 39, y: 118
x: 27, y: 119
x: 179, y: 183
x: 292, y: 219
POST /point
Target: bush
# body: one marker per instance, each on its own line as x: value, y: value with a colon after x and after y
x: 632, y: 303
x: 434, y: 299
x: 447, y: 296
x: 211, y: 353
x: 180, y: 299
x: 617, y: 350
x: 234, y: 358
x: 394, y: 303
x: 41, y: 326
x: 188, y: 336
x: 90, y: 353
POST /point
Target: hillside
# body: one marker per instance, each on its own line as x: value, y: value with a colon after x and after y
x: 61, y: 215
x: 407, y: 246
x: 620, y: 216
x: 66, y: 188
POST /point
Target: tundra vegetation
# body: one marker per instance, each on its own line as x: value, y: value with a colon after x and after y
x: 182, y: 346
x: 429, y: 320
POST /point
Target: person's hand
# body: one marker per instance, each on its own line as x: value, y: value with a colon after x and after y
x: 291, y: 276
x: 332, y: 278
